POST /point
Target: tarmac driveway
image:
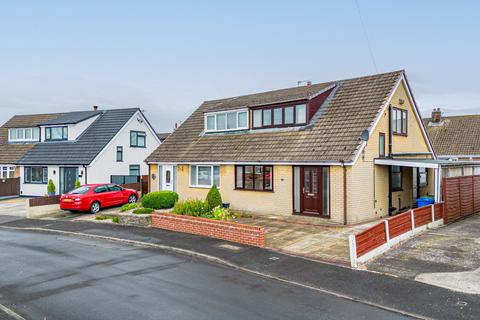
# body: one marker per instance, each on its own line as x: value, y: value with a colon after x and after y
x: 448, y: 257
x: 13, y: 207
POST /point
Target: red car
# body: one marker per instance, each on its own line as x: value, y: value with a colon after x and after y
x: 93, y: 197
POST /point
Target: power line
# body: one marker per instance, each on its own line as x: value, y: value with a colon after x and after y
x: 366, y: 36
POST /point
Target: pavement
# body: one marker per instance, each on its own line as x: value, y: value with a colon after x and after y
x: 411, y: 298
x: 448, y: 257
x: 50, y: 276
x: 13, y: 207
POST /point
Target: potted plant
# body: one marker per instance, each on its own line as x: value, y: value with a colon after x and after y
x: 77, y: 184
x: 51, y: 188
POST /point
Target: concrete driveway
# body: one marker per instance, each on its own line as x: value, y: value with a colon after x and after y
x: 13, y: 207
x: 448, y: 257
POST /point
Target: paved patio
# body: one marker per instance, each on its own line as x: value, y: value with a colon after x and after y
x: 310, y: 237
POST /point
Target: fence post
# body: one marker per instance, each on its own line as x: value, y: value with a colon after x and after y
x: 387, y: 234
x: 412, y: 218
x: 433, y: 212
x: 353, y: 250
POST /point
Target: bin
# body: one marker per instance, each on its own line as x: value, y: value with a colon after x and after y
x: 424, y: 201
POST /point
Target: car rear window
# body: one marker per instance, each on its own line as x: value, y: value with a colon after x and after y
x: 81, y: 190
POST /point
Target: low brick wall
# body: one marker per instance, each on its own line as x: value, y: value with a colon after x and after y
x: 230, y: 231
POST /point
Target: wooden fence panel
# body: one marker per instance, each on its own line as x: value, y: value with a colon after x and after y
x: 438, y: 210
x: 466, y: 195
x: 422, y: 216
x: 135, y: 186
x: 399, y: 224
x: 461, y: 197
x: 451, y: 197
x: 9, y: 187
x: 370, y: 239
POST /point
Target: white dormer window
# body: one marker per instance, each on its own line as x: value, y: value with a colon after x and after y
x: 226, y: 121
x: 23, y: 134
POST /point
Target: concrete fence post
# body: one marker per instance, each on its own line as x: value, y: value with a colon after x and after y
x: 433, y: 212
x: 412, y: 218
x: 353, y: 250
x: 387, y: 234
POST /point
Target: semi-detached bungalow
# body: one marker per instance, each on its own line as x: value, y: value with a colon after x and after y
x: 350, y: 151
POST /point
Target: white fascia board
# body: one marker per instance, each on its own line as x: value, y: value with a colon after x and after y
x: 413, y: 164
x: 225, y: 111
x: 459, y: 156
x: 138, y: 113
x: 253, y: 163
x: 403, y: 80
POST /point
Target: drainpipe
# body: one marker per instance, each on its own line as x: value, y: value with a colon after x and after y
x: 344, y: 192
x: 390, y: 145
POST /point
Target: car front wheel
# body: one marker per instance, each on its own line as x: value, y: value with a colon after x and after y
x: 132, y: 198
x: 95, y: 207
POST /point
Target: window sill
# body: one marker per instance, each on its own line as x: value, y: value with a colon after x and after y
x: 397, y: 189
x: 255, y: 190
x: 34, y: 183
x: 400, y: 134
x: 137, y: 146
x: 202, y: 187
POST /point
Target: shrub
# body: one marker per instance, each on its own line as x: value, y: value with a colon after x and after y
x: 214, y: 199
x: 115, y: 220
x: 129, y: 206
x: 50, y: 186
x: 101, y: 217
x: 160, y: 199
x: 77, y: 184
x: 143, y: 211
x: 191, y: 208
x: 220, y: 213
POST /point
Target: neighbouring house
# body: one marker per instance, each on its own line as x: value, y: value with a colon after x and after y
x: 95, y: 146
x: 18, y: 135
x: 162, y: 135
x: 456, y: 139
x: 351, y: 150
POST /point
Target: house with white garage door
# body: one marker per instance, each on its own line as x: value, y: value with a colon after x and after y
x: 95, y: 146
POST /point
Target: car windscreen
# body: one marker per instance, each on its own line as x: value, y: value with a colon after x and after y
x: 81, y: 190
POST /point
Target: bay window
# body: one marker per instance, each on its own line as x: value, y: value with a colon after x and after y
x: 226, y: 121
x: 204, y: 175
x: 250, y: 177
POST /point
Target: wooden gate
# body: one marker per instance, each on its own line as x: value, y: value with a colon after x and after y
x: 461, y: 196
x: 9, y: 187
x: 144, y: 184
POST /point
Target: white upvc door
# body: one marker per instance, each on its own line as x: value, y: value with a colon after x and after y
x: 167, y: 177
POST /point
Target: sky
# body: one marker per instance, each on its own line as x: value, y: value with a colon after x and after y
x: 167, y: 57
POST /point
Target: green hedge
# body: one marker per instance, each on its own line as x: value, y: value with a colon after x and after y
x: 143, y: 211
x: 159, y: 199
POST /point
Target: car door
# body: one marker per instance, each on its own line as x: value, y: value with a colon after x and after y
x: 117, y: 194
x: 103, y: 195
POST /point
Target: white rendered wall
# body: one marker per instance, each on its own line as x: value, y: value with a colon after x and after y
x: 33, y: 189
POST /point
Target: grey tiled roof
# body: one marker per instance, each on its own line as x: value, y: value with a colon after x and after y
x: 72, y: 117
x: 455, y: 135
x: 332, y: 136
x: 83, y: 150
x: 163, y: 135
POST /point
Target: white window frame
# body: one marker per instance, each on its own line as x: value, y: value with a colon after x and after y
x: 7, y: 171
x: 196, y: 185
x: 238, y: 111
x: 12, y: 139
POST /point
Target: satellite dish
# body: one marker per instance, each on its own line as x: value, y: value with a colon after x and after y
x: 365, y: 135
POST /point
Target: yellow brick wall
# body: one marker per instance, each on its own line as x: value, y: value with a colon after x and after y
x: 278, y: 202
x: 17, y: 172
x: 153, y: 174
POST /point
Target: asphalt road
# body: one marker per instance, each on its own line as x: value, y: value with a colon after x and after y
x: 47, y: 276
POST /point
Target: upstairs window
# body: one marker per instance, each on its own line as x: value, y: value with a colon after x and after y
x: 399, y: 121
x: 134, y: 170
x: 226, y: 121
x: 23, y: 134
x: 56, y: 133
x: 381, y: 145
x: 138, y: 139
x: 280, y: 116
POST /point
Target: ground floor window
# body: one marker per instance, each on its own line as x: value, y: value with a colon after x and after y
x: 204, y: 175
x: 249, y: 177
x: 396, y: 178
x: 7, y: 172
x: 422, y: 177
x: 36, y: 175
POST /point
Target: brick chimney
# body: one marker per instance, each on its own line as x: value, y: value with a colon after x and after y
x: 436, y: 115
x: 95, y: 108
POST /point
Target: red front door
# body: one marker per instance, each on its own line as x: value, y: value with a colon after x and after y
x: 311, y: 196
